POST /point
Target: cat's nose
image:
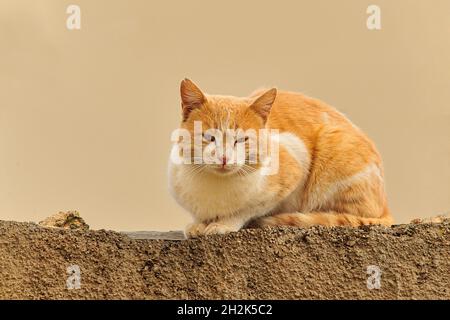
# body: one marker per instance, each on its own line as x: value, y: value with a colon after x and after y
x: 224, y: 160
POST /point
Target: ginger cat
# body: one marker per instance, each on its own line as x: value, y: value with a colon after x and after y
x: 329, y: 172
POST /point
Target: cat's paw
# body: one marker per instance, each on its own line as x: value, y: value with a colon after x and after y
x: 194, y: 230
x: 217, y: 228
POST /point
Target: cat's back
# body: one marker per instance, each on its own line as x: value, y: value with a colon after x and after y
x: 292, y: 110
x: 319, y: 126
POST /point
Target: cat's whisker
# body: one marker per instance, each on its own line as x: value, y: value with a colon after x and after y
x: 245, y: 170
x: 194, y: 170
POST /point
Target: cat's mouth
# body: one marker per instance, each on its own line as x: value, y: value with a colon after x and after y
x: 224, y: 169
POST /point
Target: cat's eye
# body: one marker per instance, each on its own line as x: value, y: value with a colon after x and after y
x: 209, y: 137
x: 241, y: 140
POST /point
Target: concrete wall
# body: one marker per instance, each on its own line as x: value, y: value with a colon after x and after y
x: 280, y: 263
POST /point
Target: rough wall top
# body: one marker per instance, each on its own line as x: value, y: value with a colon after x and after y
x: 279, y: 263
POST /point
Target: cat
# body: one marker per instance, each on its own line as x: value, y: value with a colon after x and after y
x: 329, y: 172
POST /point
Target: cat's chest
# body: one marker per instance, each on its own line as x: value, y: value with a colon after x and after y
x: 211, y: 197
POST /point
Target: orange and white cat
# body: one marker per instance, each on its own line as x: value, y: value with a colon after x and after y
x: 329, y: 172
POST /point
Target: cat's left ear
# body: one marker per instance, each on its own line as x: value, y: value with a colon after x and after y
x: 191, y: 97
x: 264, y: 102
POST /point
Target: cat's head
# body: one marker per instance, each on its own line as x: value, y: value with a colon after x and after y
x: 230, y: 128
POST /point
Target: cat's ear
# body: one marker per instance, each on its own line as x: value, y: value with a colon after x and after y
x: 191, y: 97
x: 264, y: 102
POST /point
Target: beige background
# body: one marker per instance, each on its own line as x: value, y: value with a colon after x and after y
x: 85, y: 116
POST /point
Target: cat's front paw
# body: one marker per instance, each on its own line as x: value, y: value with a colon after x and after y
x: 217, y: 228
x: 194, y: 230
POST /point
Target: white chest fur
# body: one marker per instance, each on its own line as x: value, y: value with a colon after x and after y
x: 208, y: 196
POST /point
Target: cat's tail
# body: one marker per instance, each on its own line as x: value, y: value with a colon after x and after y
x: 321, y: 218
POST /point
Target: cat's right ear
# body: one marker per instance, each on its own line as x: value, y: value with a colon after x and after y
x: 263, y: 104
x: 191, y: 97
